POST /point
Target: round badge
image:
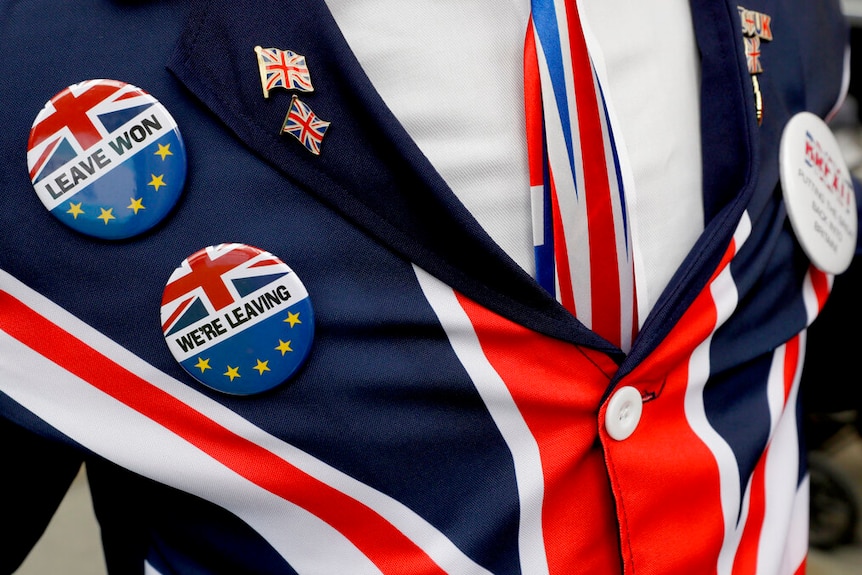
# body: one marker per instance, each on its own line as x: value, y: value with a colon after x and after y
x: 106, y: 159
x: 818, y: 193
x: 237, y: 319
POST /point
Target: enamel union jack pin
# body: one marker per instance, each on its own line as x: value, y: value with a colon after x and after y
x: 282, y: 69
x: 304, y: 125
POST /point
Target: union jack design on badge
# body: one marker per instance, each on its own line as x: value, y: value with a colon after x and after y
x: 106, y: 159
x: 756, y: 28
x: 304, y: 125
x: 237, y: 318
x: 282, y: 69
x: 752, y: 55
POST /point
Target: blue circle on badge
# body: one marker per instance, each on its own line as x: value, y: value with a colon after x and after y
x: 106, y: 159
x: 237, y: 319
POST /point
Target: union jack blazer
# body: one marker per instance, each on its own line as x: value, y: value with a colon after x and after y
x: 451, y: 416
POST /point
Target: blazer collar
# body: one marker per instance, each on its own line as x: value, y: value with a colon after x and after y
x: 369, y: 170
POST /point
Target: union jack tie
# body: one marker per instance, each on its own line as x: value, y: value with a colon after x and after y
x: 580, y: 224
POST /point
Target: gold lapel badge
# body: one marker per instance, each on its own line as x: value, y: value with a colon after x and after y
x: 756, y: 28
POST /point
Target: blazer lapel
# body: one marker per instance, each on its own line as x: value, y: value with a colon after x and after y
x: 730, y: 163
x: 368, y: 169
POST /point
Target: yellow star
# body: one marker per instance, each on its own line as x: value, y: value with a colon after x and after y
x: 164, y: 150
x: 262, y: 366
x: 232, y: 372
x: 292, y: 318
x: 157, y: 181
x: 75, y: 209
x: 203, y: 364
x: 136, y: 205
x: 106, y: 215
x: 283, y: 346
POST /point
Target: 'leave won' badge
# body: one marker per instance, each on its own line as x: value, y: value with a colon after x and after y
x: 106, y: 159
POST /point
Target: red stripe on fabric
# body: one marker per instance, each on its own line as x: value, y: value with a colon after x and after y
x: 561, y: 252
x: 604, y: 265
x: 635, y: 314
x: 802, y: 568
x: 681, y: 469
x: 533, y: 107
x: 379, y: 540
x: 791, y: 364
x: 666, y: 461
x: 820, y: 282
x: 746, y: 558
x: 557, y: 388
x: 745, y: 562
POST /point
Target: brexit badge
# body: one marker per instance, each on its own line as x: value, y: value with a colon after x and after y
x: 817, y: 188
x: 237, y: 319
x: 106, y: 159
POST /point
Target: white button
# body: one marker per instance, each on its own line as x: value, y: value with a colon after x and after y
x: 623, y: 413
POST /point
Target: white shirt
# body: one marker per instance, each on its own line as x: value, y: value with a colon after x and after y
x: 451, y: 72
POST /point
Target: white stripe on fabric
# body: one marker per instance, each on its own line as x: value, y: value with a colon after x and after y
x: 809, y: 295
x: 563, y: 36
x: 782, y: 465
x: 568, y: 185
x: 625, y: 267
x: 796, y: 546
x: 725, y: 298
x: 845, y: 85
x: 623, y: 241
x: 123, y: 435
x: 131, y: 440
x: 775, y: 388
x: 504, y: 411
x: 784, y: 522
x: 537, y: 204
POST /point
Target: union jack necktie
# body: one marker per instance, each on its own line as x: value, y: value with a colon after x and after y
x: 580, y: 224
